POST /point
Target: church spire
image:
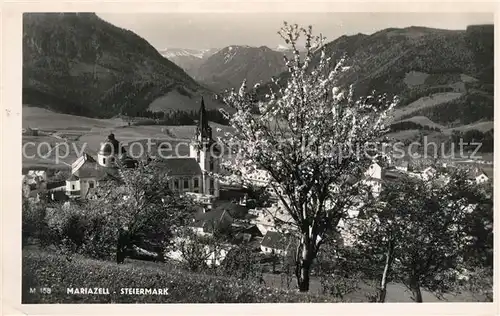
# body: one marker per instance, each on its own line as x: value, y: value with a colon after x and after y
x: 204, y: 131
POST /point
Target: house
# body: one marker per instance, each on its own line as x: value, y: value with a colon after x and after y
x: 275, y: 243
x: 205, y: 200
x: 205, y: 223
x: 58, y: 196
x: 428, y: 173
x: 480, y: 175
x: 269, y: 217
x: 35, y: 196
x: 56, y: 186
x: 213, y: 256
x: 245, y: 231
x: 28, y: 131
x: 236, y: 210
x: 373, y: 178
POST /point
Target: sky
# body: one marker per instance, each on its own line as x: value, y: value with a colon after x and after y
x: 218, y: 30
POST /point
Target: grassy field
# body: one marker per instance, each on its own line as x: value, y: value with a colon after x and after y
x: 36, y: 117
x: 424, y: 121
x: 44, y: 269
x: 425, y: 102
x: 480, y: 126
x: 415, y: 78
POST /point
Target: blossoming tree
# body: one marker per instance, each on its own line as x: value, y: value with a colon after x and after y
x: 304, y: 137
x: 422, y: 230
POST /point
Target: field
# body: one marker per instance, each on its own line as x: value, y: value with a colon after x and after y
x: 415, y: 78
x: 425, y: 102
x: 44, y: 119
x: 480, y: 126
x: 424, y: 121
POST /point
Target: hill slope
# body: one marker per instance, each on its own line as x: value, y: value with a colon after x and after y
x: 418, y: 62
x: 77, y: 63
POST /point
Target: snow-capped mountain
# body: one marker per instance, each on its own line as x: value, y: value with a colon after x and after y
x: 282, y: 48
x: 188, y: 59
x: 229, y: 66
x: 187, y: 52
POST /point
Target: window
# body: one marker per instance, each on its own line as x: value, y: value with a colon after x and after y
x: 112, y: 159
x: 91, y: 184
x: 196, y: 183
x: 176, y: 184
x: 186, y: 183
x: 72, y: 187
x: 103, y: 160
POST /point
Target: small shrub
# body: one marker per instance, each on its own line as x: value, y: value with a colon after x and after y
x: 34, y: 224
x: 80, y: 230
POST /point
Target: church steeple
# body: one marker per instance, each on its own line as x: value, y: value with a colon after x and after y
x: 203, y: 131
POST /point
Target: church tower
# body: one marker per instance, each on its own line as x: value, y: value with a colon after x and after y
x: 206, y: 152
x: 109, y: 152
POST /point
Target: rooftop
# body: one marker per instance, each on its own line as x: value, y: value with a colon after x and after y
x: 275, y: 240
x: 181, y: 166
x: 211, y: 218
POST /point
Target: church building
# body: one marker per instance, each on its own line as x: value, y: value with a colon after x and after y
x: 206, y: 152
x: 192, y: 173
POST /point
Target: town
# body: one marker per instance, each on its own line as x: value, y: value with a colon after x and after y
x: 219, y: 200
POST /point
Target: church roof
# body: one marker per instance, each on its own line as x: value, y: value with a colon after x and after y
x: 111, y: 146
x: 181, y: 166
x: 203, y: 127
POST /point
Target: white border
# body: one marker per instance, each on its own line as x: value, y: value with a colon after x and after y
x: 10, y: 157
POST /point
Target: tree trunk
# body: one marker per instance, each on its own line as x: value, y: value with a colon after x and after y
x: 389, y: 258
x: 415, y: 290
x: 303, y: 267
x: 121, y: 247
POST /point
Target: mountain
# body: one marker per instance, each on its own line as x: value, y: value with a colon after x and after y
x: 416, y: 63
x: 231, y: 65
x: 188, y: 59
x: 282, y: 48
x: 77, y: 63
